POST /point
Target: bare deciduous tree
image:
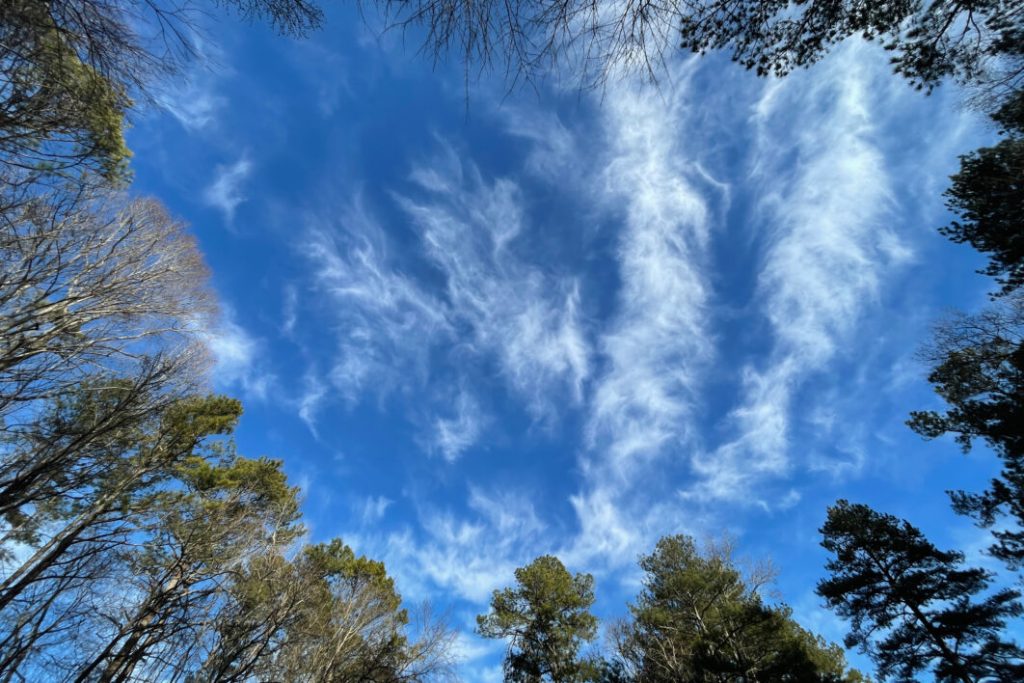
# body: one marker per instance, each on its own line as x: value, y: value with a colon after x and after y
x: 92, y: 281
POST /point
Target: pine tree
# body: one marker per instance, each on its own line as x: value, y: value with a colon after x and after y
x: 914, y: 607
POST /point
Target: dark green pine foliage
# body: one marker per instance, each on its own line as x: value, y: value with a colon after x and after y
x: 980, y: 375
x: 914, y: 607
x: 546, y: 619
x: 698, y: 620
x: 980, y: 365
x: 987, y: 195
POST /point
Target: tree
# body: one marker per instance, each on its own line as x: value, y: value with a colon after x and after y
x: 101, y: 301
x: 264, y: 601
x: 546, y: 619
x: 92, y: 281
x: 162, y: 557
x: 326, y: 615
x: 697, y: 619
x: 69, y: 70
x: 140, y: 459
x: 979, y: 372
x: 988, y: 197
x: 56, y: 111
x: 976, y: 42
x: 978, y: 361
x: 100, y: 353
x: 930, y: 39
x: 914, y: 607
x: 91, y: 527
x: 225, y: 513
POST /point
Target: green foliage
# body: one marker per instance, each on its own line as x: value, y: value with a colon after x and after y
x: 350, y: 624
x: 697, y: 619
x: 988, y: 197
x: 107, y: 434
x: 196, y: 417
x: 929, y: 41
x: 979, y: 360
x: 58, y: 111
x: 70, y: 68
x: 546, y: 619
x: 326, y: 614
x: 337, y: 565
x: 980, y: 375
x: 912, y: 606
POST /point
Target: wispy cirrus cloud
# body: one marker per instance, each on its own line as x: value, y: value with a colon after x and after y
x: 826, y: 206
x: 465, y: 555
x: 374, y: 508
x: 193, y: 98
x: 490, y: 304
x: 308, y: 404
x: 239, y: 357
x: 454, y: 434
x: 385, y: 321
x: 658, y: 342
x: 193, y: 102
x: 554, y: 153
x: 225, y: 191
x: 469, y: 301
x: 659, y: 338
x: 525, y: 317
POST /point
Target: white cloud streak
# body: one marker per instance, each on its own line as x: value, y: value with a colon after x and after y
x: 385, y: 320
x: 657, y: 344
x: 553, y: 152
x: 492, y: 304
x: 466, y: 556
x: 225, y: 192
x: 309, y: 402
x: 454, y: 435
x: 193, y: 98
x: 825, y: 207
x: 238, y: 357
x: 193, y: 103
x: 374, y: 508
x: 528, y: 319
x: 659, y: 339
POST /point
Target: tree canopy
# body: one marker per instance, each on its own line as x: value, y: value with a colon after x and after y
x: 70, y: 70
x: 546, y: 619
x: 698, y: 619
x: 987, y: 195
x: 138, y: 544
x: 973, y: 42
x: 912, y: 607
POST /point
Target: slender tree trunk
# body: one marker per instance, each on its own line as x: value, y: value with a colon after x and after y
x: 134, y: 647
x: 16, y: 648
x: 49, y: 552
x: 933, y: 633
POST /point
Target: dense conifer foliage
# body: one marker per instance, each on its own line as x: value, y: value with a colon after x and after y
x: 988, y: 195
x: 545, y: 618
x: 914, y: 607
x: 699, y: 619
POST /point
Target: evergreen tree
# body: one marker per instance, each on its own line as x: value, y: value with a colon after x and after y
x: 698, y: 619
x: 988, y: 197
x: 546, y: 619
x: 979, y: 359
x: 914, y: 607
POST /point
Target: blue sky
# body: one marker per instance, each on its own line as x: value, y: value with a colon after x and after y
x: 481, y: 326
